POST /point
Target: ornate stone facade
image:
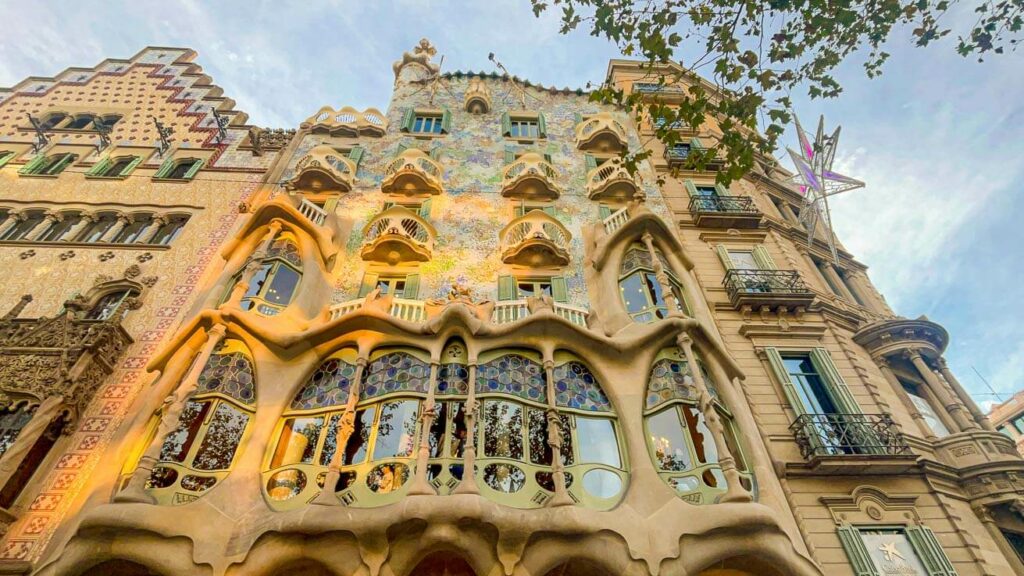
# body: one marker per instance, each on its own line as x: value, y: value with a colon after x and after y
x: 454, y: 337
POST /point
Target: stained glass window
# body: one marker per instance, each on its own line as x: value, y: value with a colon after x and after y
x: 576, y: 387
x: 393, y: 373
x: 328, y: 386
x: 512, y: 374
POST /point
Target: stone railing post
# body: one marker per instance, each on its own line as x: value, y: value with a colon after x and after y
x: 346, y: 426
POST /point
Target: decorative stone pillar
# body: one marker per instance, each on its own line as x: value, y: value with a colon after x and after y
x: 16, y: 310
x: 84, y: 221
x: 886, y: 369
x: 150, y: 231
x: 346, y: 425
x: 135, y: 491
x: 561, y: 497
x: 673, y: 305
x: 956, y: 411
x: 788, y: 213
x: 857, y: 283
x: 734, y: 491
x: 252, y: 265
x: 468, y: 483
x: 983, y: 514
x: 829, y: 270
x: 48, y: 221
x: 813, y: 266
x: 420, y: 486
x: 958, y: 389
x: 12, y: 220
x: 122, y: 221
x: 44, y: 415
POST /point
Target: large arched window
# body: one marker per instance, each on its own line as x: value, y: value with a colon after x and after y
x: 641, y: 293
x: 680, y: 443
x: 515, y: 460
x: 273, y: 286
x: 200, y: 451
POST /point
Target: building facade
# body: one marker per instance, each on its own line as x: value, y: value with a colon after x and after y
x: 1008, y: 418
x: 455, y: 337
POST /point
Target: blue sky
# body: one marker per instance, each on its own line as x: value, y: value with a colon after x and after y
x: 938, y: 139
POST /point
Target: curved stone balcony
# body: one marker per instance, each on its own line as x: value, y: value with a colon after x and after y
x: 478, y: 97
x: 601, y: 133
x: 323, y: 169
x: 535, y: 239
x: 347, y: 121
x: 398, y: 235
x: 611, y: 181
x: 530, y: 177
x: 412, y: 172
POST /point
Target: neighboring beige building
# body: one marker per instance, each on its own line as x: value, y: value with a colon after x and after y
x: 1008, y: 418
x: 456, y: 337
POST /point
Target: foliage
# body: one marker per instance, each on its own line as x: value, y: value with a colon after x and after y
x: 755, y: 52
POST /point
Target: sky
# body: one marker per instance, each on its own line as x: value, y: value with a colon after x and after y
x: 938, y: 139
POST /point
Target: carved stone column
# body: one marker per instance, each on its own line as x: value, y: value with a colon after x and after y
x: 996, y: 534
x: 44, y: 415
x: 956, y: 411
x: 734, y: 491
x: 813, y: 267
x: 979, y: 416
x: 346, y: 425
x: 897, y: 386
x: 860, y: 284
x: 829, y: 270
x: 150, y: 231
x: 38, y: 230
x: 420, y: 486
x: 12, y: 220
x: 122, y: 221
x: 252, y: 265
x: 15, y: 311
x: 468, y: 483
x: 561, y: 497
x: 673, y: 305
x: 135, y: 491
x: 84, y: 221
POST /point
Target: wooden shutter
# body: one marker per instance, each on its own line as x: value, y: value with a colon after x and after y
x: 356, y: 155
x: 778, y: 368
x: 591, y: 161
x: 369, y: 283
x: 856, y: 552
x: 559, y: 291
x: 542, y: 125
x: 192, y: 171
x: 5, y: 157
x: 412, y: 287
x: 33, y: 165
x: 510, y: 154
x: 695, y: 143
x: 98, y: 168
x: 424, y: 209
x: 506, y: 125
x: 691, y: 188
x: 763, y: 259
x: 547, y: 158
x: 506, y: 288
x: 721, y: 190
x: 131, y: 166
x: 604, y: 211
x: 838, y: 390
x: 930, y: 551
x: 165, y: 168
x: 446, y: 121
x: 723, y: 255
x: 61, y: 164
x: 407, y: 120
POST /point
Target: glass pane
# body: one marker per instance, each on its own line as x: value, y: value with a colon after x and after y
x: 634, y: 293
x: 669, y: 441
x: 177, y: 443
x: 256, y: 284
x: 387, y: 477
x: 437, y: 430
x: 525, y: 290
x: 282, y: 286
x: 298, y: 441
x: 595, y: 438
x: 891, y: 552
x: 359, y: 442
x: 602, y: 483
x: 459, y: 430
x: 222, y: 438
x: 418, y: 125
x: 504, y: 477
x: 932, y: 419
x: 396, y: 430
x: 654, y: 289
x: 540, y: 451
x: 503, y: 430
x: 703, y: 442
x: 743, y: 260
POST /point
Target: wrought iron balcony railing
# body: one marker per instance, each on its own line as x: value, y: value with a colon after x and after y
x: 655, y: 88
x: 764, y: 282
x: 742, y: 204
x: 848, y: 434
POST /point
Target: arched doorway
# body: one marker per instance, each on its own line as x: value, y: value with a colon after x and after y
x: 119, y: 568
x: 442, y: 564
x: 742, y: 566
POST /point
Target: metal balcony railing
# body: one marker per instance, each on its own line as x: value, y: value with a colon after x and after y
x: 655, y: 88
x: 764, y: 282
x: 848, y: 434
x: 732, y: 204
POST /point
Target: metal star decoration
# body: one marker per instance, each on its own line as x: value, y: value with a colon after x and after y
x: 816, y: 181
x: 890, y: 551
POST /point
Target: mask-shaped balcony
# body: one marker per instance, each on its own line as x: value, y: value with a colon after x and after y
x: 611, y: 181
x: 535, y: 239
x: 530, y: 177
x: 412, y: 172
x: 398, y: 235
x: 323, y: 169
x: 347, y: 121
x: 601, y: 133
x: 478, y: 97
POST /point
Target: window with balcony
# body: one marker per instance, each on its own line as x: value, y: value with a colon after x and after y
x: 924, y: 407
x: 6, y: 156
x: 523, y: 208
x: 20, y: 230
x: 525, y: 126
x: 420, y: 122
x: 31, y: 462
x: 48, y: 165
x: 405, y: 286
x: 884, y: 550
x: 179, y: 169
x: 523, y: 287
x: 199, y: 452
x: 273, y: 286
x: 642, y: 294
x: 115, y: 167
x: 422, y: 208
x: 52, y: 120
x: 80, y: 122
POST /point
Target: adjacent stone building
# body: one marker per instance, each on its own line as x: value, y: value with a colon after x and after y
x: 1008, y: 418
x: 456, y: 337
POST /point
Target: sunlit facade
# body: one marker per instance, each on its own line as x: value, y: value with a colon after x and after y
x: 454, y: 337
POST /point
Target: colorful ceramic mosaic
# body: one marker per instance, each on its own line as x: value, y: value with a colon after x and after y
x: 287, y: 251
x: 395, y: 372
x: 512, y: 374
x: 453, y: 379
x: 328, y: 386
x: 576, y: 388
x: 672, y: 380
x: 229, y: 374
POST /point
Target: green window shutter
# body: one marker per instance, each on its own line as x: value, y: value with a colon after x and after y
x: 604, y: 211
x: 131, y: 166
x: 165, y: 168
x: 856, y: 552
x: 407, y: 120
x: 33, y: 165
x: 520, y: 211
x: 763, y: 259
x: 559, y: 291
x: 695, y: 143
x: 838, y: 389
x: 723, y: 255
x: 506, y: 125
x: 369, y: 283
x: 388, y: 205
x: 930, y: 551
x: 99, y: 167
x: 446, y: 121
x: 691, y: 189
x: 192, y: 171
x: 356, y: 155
x: 721, y: 190
x: 506, y: 288
x: 435, y: 153
x: 549, y: 210
x: 547, y: 158
x: 5, y: 157
x: 412, y: 287
x: 62, y: 164
x: 778, y: 369
x: 542, y: 125
x: 424, y: 210
x: 402, y: 147
x: 510, y: 154
x: 591, y: 161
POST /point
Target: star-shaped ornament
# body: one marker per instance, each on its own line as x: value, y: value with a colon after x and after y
x: 890, y: 551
